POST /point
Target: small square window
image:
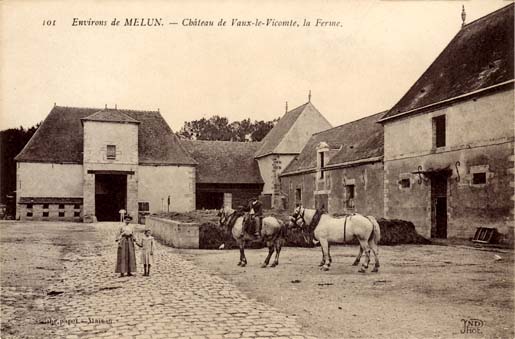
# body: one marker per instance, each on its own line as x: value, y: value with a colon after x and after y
x: 29, y: 206
x: 111, y: 152
x: 143, y: 206
x: 479, y: 178
x: 45, y: 205
x: 45, y: 214
x: 76, y: 206
x: 61, y: 214
x: 61, y: 206
x: 29, y: 214
x: 76, y: 214
x: 405, y: 183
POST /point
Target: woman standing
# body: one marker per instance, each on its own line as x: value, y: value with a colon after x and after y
x: 126, y: 258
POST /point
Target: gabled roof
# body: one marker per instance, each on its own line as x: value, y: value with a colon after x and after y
x: 110, y: 115
x: 478, y: 57
x: 59, y: 139
x: 276, y: 135
x: 354, y: 141
x: 224, y: 162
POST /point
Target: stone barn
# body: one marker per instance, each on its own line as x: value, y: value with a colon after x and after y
x: 86, y: 162
x: 283, y: 143
x: 227, y: 173
x: 340, y: 169
x: 449, y: 142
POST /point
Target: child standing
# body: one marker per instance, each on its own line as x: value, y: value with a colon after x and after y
x: 147, y: 251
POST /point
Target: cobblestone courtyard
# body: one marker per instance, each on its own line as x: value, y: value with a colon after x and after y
x: 178, y: 300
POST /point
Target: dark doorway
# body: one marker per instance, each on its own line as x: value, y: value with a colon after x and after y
x: 110, y: 196
x: 439, y: 206
x: 210, y: 200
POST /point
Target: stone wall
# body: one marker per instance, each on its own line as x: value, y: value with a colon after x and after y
x: 174, y: 233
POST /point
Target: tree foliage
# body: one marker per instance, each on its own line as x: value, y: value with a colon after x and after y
x: 219, y: 128
x: 12, y: 142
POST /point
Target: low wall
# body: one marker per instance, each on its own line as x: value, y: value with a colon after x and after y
x: 174, y: 233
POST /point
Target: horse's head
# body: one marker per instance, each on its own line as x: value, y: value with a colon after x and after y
x: 297, y: 218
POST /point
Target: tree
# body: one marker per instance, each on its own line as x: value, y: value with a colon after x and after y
x: 218, y: 128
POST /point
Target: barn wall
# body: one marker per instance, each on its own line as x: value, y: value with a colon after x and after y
x: 240, y: 193
x: 47, y: 180
x: 331, y: 191
x: 479, y: 139
x: 156, y: 183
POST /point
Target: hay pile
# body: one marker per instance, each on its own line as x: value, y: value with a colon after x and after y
x: 396, y: 232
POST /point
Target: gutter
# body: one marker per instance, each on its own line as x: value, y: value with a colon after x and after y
x: 447, y: 100
x: 336, y: 166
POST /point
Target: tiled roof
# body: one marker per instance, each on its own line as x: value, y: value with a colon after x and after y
x: 224, y: 162
x: 276, y: 135
x: 110, y: 115
x: 357, y: 140
x: 478, y: 57
x: 59, y: 139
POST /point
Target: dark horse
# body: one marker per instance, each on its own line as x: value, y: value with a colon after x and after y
x: 273, y: 232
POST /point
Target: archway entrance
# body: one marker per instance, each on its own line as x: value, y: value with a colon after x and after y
x: 110, y: 196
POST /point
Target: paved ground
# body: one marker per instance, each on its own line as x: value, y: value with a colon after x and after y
x: 178, y: 300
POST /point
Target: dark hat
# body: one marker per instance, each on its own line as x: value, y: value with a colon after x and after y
x: 127, y: 218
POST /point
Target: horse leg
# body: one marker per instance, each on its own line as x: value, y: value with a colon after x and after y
x: 325, y: 249
x: 241, y: 253
x: 242, y: 250
x: 329, y: 255
x: 358, y: 258
x: 270, y: 252
x: 278, y: 246
x: 375, y: 252
x: 366, y: 250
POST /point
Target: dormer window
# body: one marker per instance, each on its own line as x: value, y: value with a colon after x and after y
x: 111, y: 152
x: 321, y: 154
x: 322, y: 150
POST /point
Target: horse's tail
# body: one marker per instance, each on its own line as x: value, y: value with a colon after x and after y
x: 376, y: 230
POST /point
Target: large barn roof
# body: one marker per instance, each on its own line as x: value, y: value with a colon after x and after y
x: 478, y: 57
x: 59, y: 139
x: 225, y: 162
x: 354, y: 141
x: 271, y: 142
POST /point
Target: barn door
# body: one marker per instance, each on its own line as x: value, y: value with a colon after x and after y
x: 439, y: 206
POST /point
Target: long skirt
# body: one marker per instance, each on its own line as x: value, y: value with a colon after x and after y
x: 126, y: 259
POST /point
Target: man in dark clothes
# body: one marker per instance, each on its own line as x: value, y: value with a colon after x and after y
x: 256, y: 213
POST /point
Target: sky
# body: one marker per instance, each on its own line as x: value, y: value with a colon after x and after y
x: 361, y: 67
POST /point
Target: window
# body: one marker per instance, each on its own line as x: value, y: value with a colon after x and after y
x: 439, y: 131
x: 76, y: 206
x: 45, y: 205
x: 61, y: 214
x: 321, y: 165
x: 350, y: 193
x: 479, y: 178
x: 405, y: 183
x: 61, y: 206
x: 143, y: 206
x: 29, y: 206
x: 298, y: 195
x: 45, y: 214
x: 29, y: 214
x: 111, y: 152
x: 76, y: 214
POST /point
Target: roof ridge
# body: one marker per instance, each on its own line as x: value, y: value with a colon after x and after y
x: 108, y: 109
x: 488, y: 15
x: 351, y: 122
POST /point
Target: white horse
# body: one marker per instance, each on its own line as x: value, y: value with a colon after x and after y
x: 273, y: 232
x: 340, y: 230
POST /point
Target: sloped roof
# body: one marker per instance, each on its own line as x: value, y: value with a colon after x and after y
x: 276, y: 135
x: 479, y: 56
x: 357, y: 140
x: 225, y: 162
x: 59, y: 139
x: 109, y: 115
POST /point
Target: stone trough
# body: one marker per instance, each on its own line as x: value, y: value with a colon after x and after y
x: 173, y: 233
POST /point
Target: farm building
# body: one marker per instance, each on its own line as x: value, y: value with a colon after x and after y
x: 283, y: 143
x: 227, y: 173
x: 85, y: 162
x: 449, y: 143
x: 340, y: 169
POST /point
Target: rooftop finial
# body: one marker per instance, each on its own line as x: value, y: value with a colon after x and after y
x: 115, y: 106
x: 463, y: 15
x: 106, y: 106
x: 309, y: 96
x: 286, y: 106
x: 55, y: 104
